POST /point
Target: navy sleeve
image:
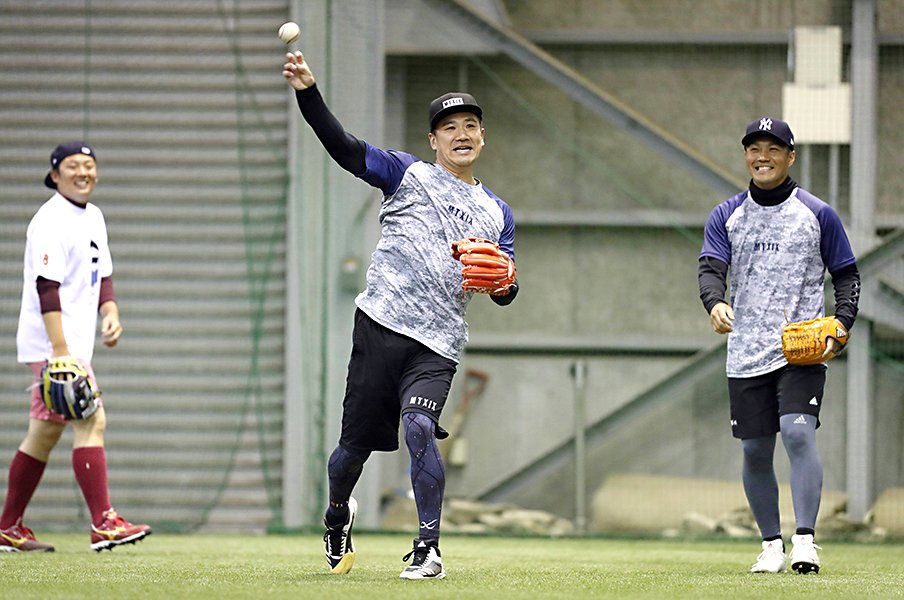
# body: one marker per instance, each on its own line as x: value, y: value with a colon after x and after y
x: 715, y: 234
x: 507, y: 245
x: 833, y: 244
x: 507, y: 237
x: 386, y: 168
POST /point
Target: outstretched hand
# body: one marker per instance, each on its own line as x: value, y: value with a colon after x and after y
x: 297, y: 72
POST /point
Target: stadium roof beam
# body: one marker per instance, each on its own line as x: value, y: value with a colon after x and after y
x: 587, y: 93
x: 576, y: 37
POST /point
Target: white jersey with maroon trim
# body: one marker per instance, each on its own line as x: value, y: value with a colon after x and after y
x: 65, y: 243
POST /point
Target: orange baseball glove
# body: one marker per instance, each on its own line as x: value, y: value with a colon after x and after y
x: 487, y: 268
x: 805, y: 342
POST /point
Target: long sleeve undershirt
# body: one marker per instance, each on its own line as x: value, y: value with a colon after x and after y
x: 712, y: 276
x: 49, y: 293
x: 347, y: 150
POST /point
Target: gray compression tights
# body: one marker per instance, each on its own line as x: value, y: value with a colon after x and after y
x: 760, y: 484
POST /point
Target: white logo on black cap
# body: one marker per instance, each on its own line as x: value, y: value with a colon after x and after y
x: 86, y: 150
x: 453, y: 102
x: 765, y: 124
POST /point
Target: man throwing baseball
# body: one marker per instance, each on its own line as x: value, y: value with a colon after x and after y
x: 410, y: 324
x: 67, y: 282
x: 777, y: 240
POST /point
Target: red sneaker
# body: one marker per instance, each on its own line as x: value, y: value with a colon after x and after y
x: 20, y: 538
x: 115, y: 531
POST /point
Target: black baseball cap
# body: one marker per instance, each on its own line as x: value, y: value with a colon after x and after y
x: 772, y: 127
x: 453, y: 102
x: 61, y: 152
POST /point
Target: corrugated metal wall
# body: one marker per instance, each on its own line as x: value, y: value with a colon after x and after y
x: 186, y: 109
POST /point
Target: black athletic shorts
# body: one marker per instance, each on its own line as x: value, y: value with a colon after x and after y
x: 758, y: 402
x: 390, y: 374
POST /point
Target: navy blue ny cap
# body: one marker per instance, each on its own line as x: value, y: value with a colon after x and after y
x: 453, y: 102
x: 61, y: 152
x: 772, y: 127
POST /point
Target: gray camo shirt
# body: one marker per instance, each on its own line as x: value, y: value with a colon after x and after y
x: 777, y: 257
x: 413, y: 283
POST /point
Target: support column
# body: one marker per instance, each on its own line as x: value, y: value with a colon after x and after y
x: 303, y: 461
x: 864, y: 102
x: 355, y: 92
x: 860, y: 428
x: 864, y: 85
x: 326, y: 209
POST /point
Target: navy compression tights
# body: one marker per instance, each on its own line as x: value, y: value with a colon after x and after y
x: 344, y: 470
x: 428, y: 476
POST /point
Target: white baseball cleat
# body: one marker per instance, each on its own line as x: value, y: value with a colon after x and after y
x: 427, y: 562
x: 771, y: 559
x: 804, y: 558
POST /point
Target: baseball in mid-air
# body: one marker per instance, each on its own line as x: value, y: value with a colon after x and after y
x: 289, y: 32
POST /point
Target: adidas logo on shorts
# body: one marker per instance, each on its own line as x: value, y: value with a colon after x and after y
x: 801, y: 420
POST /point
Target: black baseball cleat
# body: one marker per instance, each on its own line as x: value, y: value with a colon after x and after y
x: 340, y: 551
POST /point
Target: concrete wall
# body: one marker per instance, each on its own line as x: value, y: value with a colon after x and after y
x: 613, y: 280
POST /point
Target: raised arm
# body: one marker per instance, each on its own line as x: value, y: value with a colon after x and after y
x: 344, y: 148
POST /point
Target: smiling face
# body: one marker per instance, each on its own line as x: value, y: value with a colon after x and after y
x: 768, y: 161
x: 76, y: 177
x: 457, y: 140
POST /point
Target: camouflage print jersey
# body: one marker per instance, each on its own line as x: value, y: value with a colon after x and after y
x: 777, y: 257
x: 413, y: 283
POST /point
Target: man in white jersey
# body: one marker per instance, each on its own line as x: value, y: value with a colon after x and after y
x: 777, y: 240
x: 410, y: 324
x: 67, y: 281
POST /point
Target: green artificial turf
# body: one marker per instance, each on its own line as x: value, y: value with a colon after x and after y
x: 509, y: 568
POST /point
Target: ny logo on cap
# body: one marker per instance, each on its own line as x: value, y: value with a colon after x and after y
x: 765, y: 124
x: 453, y: 102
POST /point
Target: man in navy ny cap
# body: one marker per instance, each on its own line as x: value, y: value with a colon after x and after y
x: 769, y: 127
x: 777, y: 240
x: 67, y: 282
x: 410, y: 326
